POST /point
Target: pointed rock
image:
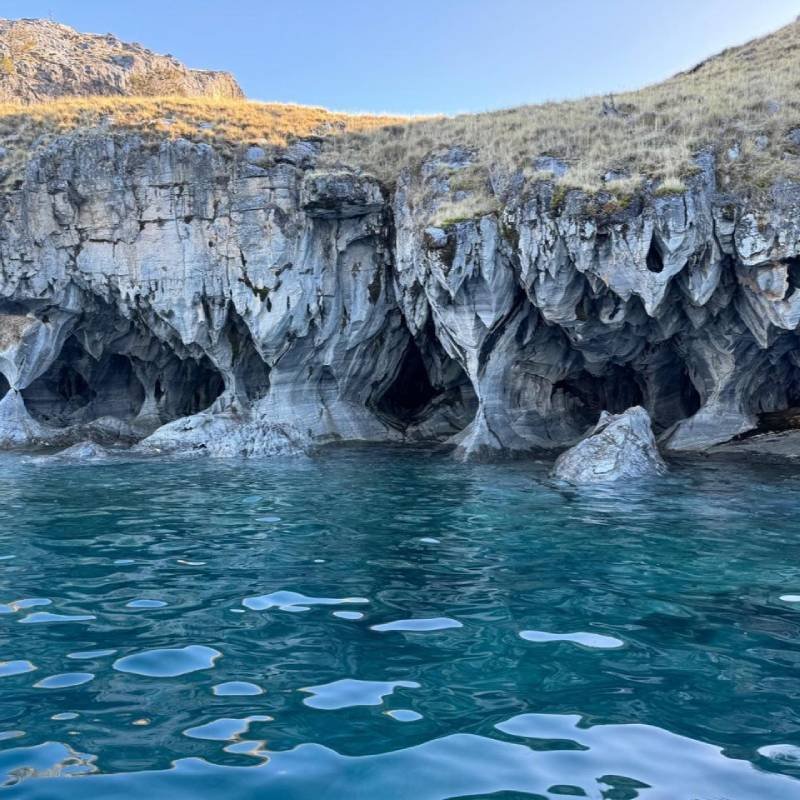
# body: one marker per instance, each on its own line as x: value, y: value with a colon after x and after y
x: 620, y: 446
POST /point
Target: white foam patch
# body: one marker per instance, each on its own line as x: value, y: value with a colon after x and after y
x: 594, y: 640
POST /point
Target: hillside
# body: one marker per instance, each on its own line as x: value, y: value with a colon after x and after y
x: 743, y: 105
x: 41, y: 60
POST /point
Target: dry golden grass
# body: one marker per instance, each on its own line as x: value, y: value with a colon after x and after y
x: 746, y: 98
x: 225, y: 123
x: 477, y: 204
x: 216, y: 120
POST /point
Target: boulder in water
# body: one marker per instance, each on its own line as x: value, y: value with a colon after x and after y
x: 620, y: 446
x: 225, y: 434
x: 83, y: 451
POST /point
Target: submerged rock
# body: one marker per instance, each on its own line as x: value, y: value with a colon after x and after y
x: 224, y: 434
x: 83, y: 451
x: 779, y: 446
x: 620, y: 446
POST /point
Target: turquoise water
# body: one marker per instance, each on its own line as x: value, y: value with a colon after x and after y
x: 379, y: 623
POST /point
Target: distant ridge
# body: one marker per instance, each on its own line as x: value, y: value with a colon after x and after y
x: 41, y: 60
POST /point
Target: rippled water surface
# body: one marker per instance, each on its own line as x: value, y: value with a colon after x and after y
x: 390, y: 624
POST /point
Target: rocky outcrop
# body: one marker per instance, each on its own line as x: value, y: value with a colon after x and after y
x: 620, y: 446
x: 558, y: 308
x: 777, y: 446
x: 227, y: 434
x: 82, y: 452
x: 176, y: 296
x: 153, y: 285
x: 40, y: 60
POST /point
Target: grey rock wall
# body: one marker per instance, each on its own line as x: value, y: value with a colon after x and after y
x: 44, y: 59
x: 173, y: 297
x: 684, y: 304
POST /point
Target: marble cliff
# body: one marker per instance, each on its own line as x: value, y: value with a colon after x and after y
x: 172, y: 295
x: 179, y: 299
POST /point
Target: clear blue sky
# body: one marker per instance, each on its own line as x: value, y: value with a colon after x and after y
x: 425, y: 56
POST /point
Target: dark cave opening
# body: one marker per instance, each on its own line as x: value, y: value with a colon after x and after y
x: 252, y: 372
x: 792, y: 276
x: 4, y: 385
x: 79, y: 388
x: 587, y: 395
x: 786, y: 419
x: 655, y: 259
x: 690, y: 400
x: 670, y: 391
x: 776, y: 401
x: 410, y: 391
x: 197, y: 385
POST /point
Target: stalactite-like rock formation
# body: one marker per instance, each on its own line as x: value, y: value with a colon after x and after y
x: 173, y: 297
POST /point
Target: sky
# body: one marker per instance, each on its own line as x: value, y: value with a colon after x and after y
x: 427, y: 56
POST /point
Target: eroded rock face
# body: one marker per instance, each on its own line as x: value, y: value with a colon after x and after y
x: 620, y: 446
x: 557, y: 310
x: 154, y: 285
x: 186, y: 300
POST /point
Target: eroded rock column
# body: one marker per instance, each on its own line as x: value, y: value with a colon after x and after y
x: 28, y: 346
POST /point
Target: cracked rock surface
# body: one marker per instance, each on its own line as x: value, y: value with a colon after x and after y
x: 45, y: 59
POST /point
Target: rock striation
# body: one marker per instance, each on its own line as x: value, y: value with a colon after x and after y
x: 620, y: 446
x: 684, y: 304
x: 185, y: 299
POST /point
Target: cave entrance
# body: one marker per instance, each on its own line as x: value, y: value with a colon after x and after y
x: 78, y: 388
x: 187, y: 387
x: 670, y: 392
x: 655, y: 258
x: 179, y: 387
x: 586, y: 395
x: 776, y: 401
x: 792, y: 277
x: 410, y: 391
x: 252, y: 372
x: 688, y: 397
